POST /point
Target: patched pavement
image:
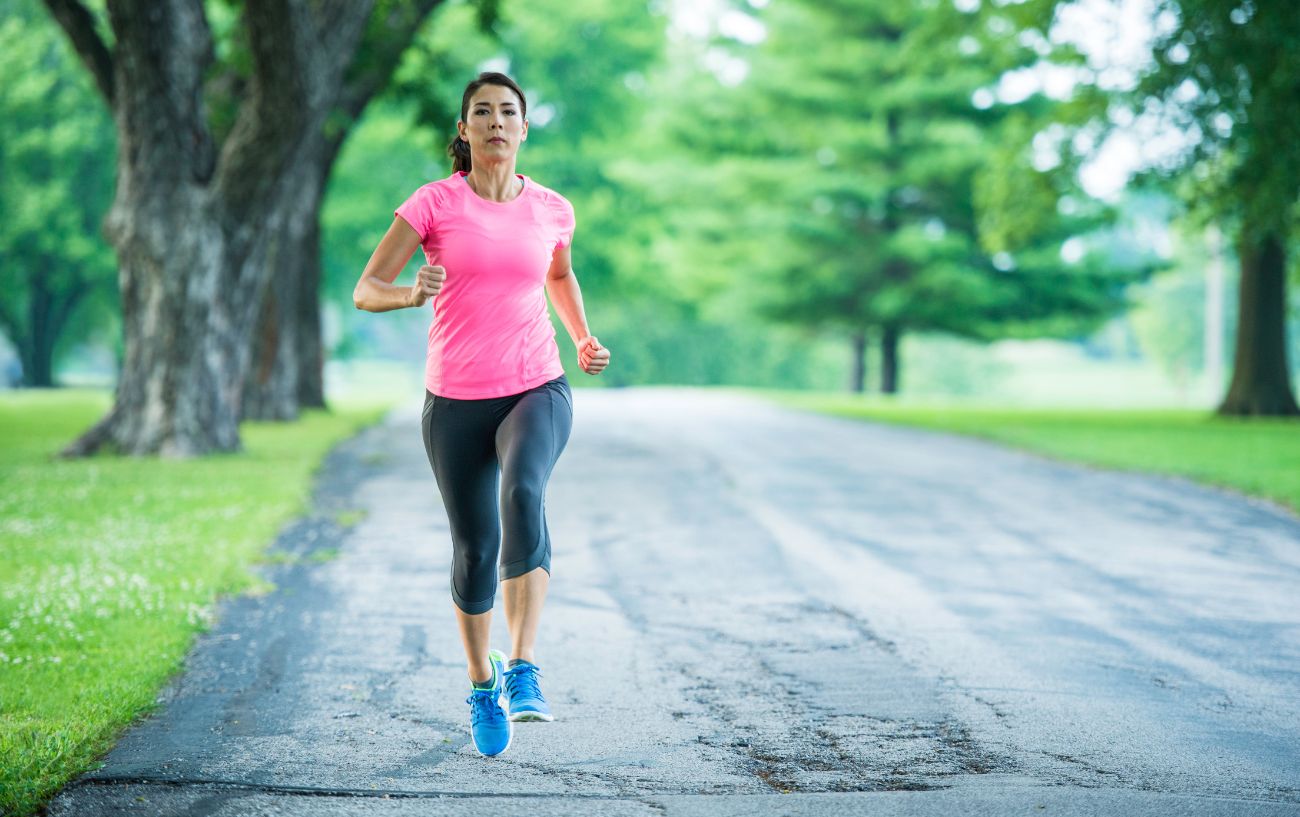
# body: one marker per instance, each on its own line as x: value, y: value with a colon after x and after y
x: 755, y: 611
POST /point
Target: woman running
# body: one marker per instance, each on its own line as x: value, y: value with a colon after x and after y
x: 497, y: 405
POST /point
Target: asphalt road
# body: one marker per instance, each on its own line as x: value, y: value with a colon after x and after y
x: 756, y: 611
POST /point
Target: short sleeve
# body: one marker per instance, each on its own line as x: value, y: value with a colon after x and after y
x: 419, y: 211
x: 564, y: 220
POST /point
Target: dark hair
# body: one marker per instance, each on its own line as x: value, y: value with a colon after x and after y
x: 458, y: 150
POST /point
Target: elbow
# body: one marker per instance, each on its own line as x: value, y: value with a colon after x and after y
x: 358, y: 299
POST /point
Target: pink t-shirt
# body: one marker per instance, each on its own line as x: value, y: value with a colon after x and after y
x: 491, y: 335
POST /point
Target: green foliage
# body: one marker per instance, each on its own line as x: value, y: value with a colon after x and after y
x: 1229, y: 72
x: 878, y: 193
x: 229, y: 73
x: 102, y: 591
x: 431, y: 78
x: 1223, y: 78
x: 56, y: 182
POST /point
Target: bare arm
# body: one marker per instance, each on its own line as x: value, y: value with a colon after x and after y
x: 562, y: 286
x: 375, y: 291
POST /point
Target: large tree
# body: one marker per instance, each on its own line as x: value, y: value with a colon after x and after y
x: 865, y: 186
x: 221, y: 162
x: 1239, y: 59
x: 1225, y: 74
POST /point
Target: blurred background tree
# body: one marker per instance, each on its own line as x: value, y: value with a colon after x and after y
x: 56, y: 181
x: 1223, y: 75
x: 1236, y: 65
x: 855, y: 173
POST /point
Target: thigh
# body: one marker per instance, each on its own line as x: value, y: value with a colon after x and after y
x: 534, y: 433
x: 460, y: 441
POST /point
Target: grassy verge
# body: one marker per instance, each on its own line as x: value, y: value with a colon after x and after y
x: 110, y: 566
x: 1260, y: 457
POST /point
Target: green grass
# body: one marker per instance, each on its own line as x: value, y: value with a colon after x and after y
x: 110, y: 566
x: 1259, y: 457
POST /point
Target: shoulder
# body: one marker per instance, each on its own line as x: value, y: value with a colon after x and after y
x: 557, y: 203
x: 440, y: 189
x: 436, y: 192
x: 561, y: 212
x: 427, y: 205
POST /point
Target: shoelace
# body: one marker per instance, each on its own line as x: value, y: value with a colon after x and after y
x: 483, y: 706
x: 521, y: 682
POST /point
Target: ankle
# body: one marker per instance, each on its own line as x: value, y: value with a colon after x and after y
x: 487, y: 674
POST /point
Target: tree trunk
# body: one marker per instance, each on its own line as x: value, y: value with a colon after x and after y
x: 896, y: 271
x: 174, y: 394
x: 285, y: 358
x: 37, y: 350
x: 36, y: 334
x: 195, y: 237
x: 889, y: 337
x: 858, y: 375
x: 264, y: 396
x: 197, y: 234
x: 291, y: 372
x: 311, y: 345
x: 1261, y: 380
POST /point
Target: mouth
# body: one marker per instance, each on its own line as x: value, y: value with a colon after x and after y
x: 496, y: 139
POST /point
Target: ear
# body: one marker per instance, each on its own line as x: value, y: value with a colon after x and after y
x: 524, y: 136
x: 460, y: 130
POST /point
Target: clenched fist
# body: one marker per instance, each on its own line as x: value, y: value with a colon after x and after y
x: 592, y: 357
x: 428, y: 283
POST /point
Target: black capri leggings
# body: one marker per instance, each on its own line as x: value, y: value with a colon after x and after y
x: 470, y: 444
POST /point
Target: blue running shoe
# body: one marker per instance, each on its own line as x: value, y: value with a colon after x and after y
x: 526, y: 701
x: 487, y: 720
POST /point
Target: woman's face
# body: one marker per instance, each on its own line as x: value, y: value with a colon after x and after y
x: 495, y: 125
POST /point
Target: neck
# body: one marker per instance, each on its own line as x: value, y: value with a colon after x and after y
x: 495, y: 180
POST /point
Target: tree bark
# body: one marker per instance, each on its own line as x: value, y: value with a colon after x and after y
x: 858, y: 375
x: 289, y: 353
x: 889, y: 338
x: 1261, y: 379
x: 195, y: 232
x: 284, y: 362
x: 311, y: 344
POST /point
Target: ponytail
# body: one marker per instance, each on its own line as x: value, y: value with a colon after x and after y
x: 458, y: 150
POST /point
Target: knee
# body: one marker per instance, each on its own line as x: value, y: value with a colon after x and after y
x: 523, y: 498
x: 473, y: 561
